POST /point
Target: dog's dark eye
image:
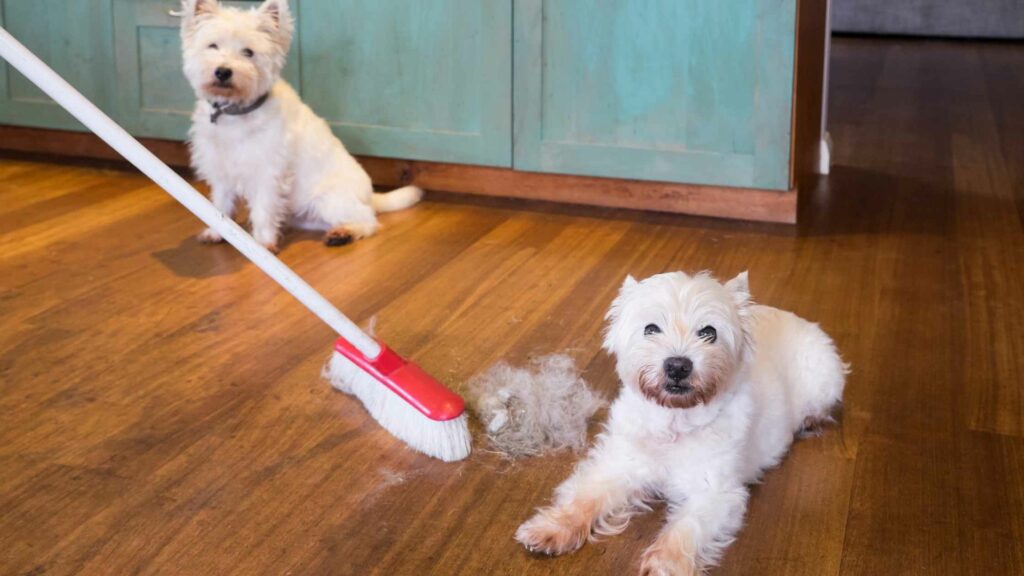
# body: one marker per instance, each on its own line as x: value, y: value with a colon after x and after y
x: 212, y: 46
x: 247, y: 53
x: 651, y: 329
x: 708, y: 333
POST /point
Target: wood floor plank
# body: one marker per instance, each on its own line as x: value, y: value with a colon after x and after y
x: 991, y: 503
x: 902, y: 516
x: 912, y: 396
x: 26, y: 184
x: 74, y: 226
x: 992, y: 271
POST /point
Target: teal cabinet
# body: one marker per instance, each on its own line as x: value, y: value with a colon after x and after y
x: 693, y: 91
x: 428, y: 79
x: 76, y: 40
x: 154, y: 99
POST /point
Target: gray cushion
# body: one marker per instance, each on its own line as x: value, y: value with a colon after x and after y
x: 959, y: 18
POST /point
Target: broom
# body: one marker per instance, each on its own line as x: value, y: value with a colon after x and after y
x: 404, y: 399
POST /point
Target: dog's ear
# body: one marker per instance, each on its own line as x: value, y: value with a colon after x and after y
x: 274, y: 9
x: 193, y: 10
x: 279, y: 17
x: 205, y: 7
x: 740, y: 289
x: 615, y: 311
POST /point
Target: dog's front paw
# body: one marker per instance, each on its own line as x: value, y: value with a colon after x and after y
x: 663, y: 560
x: 209, y: 236
x: 554, y: 531
x: 266, y: 236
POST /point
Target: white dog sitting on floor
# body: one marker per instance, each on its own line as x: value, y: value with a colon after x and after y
x: 252, y: 137
x: 714, y: 390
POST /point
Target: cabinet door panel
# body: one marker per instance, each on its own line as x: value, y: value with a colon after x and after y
x: 75, y: 39
x: 154, y: 98
x: 427, y: 80
x: 676, y: 90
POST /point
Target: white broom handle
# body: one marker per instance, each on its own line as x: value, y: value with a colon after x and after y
x: 81, y: 108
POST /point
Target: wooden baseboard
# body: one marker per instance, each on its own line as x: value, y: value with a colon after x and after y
x: 83, y: 145
x: 715, y: 201
x: 738, y: 203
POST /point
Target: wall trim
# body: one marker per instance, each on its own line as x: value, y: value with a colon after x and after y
x: 715, y: 201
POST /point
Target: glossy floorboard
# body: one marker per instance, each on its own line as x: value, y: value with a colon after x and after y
x: 161, y: 412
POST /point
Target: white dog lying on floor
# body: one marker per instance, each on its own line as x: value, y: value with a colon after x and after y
x: 714, y: 390
x: 252, y: 137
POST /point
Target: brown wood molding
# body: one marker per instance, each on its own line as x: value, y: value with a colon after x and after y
x: 808, y: 90
x: 83, y: 145
x: 715, y: 201
x: 738, y: 203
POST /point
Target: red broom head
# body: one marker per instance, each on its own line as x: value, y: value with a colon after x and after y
x: 407, y: 380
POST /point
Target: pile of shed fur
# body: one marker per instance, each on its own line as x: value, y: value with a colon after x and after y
x: 540, y: 408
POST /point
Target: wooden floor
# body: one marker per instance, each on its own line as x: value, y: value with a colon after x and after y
x: 161, y: 411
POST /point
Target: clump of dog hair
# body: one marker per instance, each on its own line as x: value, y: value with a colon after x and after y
x: 533, y: 410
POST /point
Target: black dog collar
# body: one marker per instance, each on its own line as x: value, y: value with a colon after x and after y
x: 235, y: 109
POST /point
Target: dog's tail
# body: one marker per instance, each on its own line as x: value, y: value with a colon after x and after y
x: 397, y: 199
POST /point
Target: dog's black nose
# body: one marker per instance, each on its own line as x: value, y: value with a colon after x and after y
x: 678, y: 368
x: 222, y: 74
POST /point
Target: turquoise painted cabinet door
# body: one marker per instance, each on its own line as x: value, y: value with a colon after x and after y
x: 696, y: 91
x: 75, y: 39
x: 154, y: 99
x: 421, y: 79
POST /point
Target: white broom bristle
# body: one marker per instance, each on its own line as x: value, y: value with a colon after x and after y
x: 447, y: 440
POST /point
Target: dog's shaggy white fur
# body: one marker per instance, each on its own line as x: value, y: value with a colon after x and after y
x: 714, y: 390
x: 279, y: 156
